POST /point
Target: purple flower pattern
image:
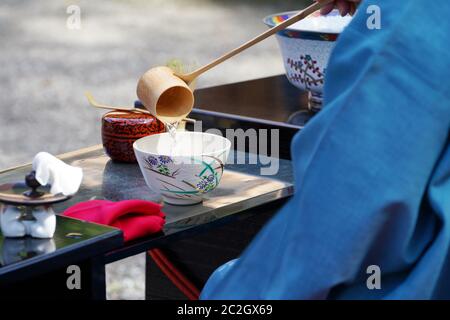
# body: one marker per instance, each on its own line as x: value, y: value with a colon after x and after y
x: 206, y: 183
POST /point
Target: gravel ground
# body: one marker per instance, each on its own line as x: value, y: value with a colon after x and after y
x: 45, y: 68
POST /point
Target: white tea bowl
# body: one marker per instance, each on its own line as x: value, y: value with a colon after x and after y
x: 306, y: 47
x: 183, y: 167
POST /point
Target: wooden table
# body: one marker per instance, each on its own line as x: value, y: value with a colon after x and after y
x: 262, y: 104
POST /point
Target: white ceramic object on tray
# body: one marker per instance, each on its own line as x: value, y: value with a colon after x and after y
x: 182, y: 168
x: 306, y: 47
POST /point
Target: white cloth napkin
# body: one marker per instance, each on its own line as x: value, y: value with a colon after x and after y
x: 63, y: 178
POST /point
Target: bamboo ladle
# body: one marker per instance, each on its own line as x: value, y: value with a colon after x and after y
x: 167, y: 94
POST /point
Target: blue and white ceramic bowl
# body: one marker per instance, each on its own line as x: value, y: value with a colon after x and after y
x: 182, y: 168
x: 306, y: 47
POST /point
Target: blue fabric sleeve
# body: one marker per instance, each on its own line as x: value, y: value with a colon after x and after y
x: 372, y: 173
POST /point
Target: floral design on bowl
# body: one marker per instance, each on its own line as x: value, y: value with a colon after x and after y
x: 306, y: 47
x: 160, y: 165
x: 306, y: 71
x: 182, y: 179
x: 207, y: 183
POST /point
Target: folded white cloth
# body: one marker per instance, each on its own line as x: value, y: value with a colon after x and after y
x: 13, y: 225
x: 63, y: 178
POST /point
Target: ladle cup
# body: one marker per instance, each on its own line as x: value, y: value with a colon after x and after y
x: 165, y: 95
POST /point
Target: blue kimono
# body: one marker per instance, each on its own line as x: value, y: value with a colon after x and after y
x: 372, y: 173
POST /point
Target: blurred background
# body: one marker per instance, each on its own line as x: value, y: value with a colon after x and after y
x: 46, y: 67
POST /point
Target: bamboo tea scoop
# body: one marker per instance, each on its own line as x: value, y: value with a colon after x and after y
x: 96, y: 104
x: 167, y: 94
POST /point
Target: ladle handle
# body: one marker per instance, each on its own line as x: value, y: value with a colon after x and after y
x: 295, y: 18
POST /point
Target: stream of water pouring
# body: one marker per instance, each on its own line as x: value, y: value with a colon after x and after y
x: 171, y: 128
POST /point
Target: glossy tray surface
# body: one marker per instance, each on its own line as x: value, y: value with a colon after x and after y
x: 242, y: 187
